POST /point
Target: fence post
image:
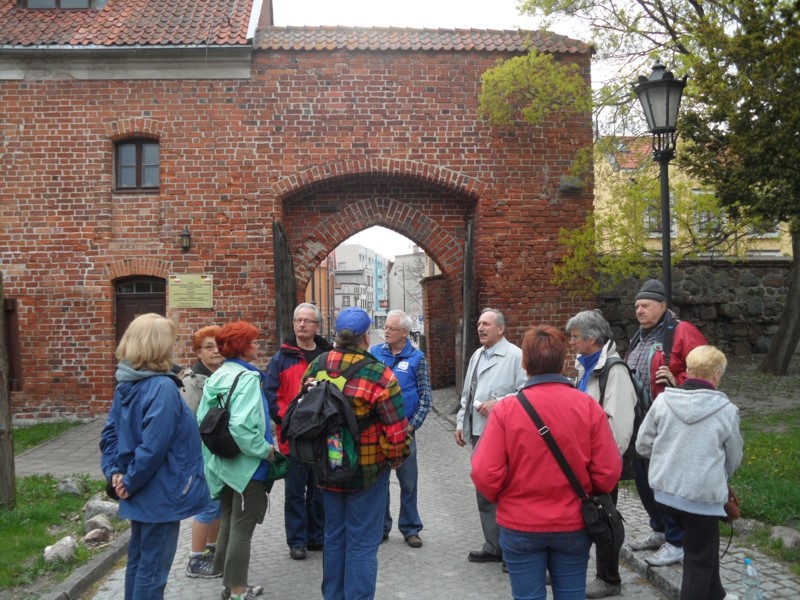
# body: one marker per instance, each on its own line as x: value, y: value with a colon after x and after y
x: 8, y: 488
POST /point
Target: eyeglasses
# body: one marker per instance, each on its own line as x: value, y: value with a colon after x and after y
x: 208, y: 347
x: 393, y: 329
x: 305, y: 322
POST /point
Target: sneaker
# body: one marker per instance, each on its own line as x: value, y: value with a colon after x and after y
x: 653, y: 541
x: 600, y: 589
x: 298, y: 553
x: 414, y: 541
x: 209, y: 553
x: 666, y: 555
x: 252, y: 592
x: 200, y: 567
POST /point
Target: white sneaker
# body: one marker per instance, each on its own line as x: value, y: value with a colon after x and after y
x: 653, y: 541
x: 666, y: 555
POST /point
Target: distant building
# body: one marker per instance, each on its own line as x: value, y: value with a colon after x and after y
x: 355, y: 277
x: 320, y: 292
x: 405, y: 290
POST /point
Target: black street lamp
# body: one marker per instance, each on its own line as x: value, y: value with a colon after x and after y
x: 660, y: 96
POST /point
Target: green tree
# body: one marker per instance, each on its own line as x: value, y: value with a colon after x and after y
x: 741, y: 114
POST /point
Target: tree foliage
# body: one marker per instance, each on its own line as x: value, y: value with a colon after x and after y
x: 533, y: 87
x: 741, y: 113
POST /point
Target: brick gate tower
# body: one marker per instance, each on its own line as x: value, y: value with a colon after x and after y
x: 190, y: 158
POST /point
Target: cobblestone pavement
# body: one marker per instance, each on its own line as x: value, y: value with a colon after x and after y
x: 438, y: 570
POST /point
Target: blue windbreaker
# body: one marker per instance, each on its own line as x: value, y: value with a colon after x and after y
x: 151, y: 437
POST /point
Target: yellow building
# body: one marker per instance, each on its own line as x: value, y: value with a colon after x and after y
x: 628, y: 209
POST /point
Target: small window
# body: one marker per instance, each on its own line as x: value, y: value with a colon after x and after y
x: 65, y: 4
x: 652, y: 219
x: 345, y: 300
x: 137, y: 165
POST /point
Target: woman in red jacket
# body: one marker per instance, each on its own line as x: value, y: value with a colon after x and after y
x: 538, y: 512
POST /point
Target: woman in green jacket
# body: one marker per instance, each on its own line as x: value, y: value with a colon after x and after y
x: 238, y: 482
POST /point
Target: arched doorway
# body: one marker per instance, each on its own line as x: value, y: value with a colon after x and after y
x: 136, y: 296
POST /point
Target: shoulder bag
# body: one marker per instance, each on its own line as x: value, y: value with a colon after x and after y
x: 604, y: 523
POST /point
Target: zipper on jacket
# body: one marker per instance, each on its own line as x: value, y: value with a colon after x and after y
x: 188, y: 484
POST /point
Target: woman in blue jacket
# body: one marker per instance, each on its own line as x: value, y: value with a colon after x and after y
x: 151, y: 454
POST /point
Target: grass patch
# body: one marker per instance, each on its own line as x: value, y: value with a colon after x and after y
x: 28, y: 436
x: 768, y: 481
x: 42, y: 516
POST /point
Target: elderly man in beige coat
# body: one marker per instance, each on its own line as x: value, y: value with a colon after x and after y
x: 494, y: 371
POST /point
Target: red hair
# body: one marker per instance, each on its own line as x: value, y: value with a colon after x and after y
x: 234, y: 338
x: 544, y: 350
x: 199, y: 336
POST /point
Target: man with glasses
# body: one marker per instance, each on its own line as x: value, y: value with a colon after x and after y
x: 410, y: 367
x: 304, y: 515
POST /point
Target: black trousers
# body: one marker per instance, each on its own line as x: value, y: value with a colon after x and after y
x: 607, y: 559
x: 700, y: 555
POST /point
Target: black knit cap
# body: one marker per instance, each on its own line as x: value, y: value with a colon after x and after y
x: 652, y: 289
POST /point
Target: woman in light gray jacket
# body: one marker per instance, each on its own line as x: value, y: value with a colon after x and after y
x: 691, y: 435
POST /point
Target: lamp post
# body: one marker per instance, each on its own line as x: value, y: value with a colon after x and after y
x: 660, y: 97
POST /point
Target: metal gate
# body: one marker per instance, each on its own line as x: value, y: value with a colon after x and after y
x: 285, y: 283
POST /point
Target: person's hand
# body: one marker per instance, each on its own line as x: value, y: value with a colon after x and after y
x: 665, y: 377
x: 460, y: 437
x: 271, y: 455
x: 410, y: 428
x: 119, y: 487
x: 486, y: 407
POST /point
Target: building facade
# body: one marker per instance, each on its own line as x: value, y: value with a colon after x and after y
x: 191, y: 159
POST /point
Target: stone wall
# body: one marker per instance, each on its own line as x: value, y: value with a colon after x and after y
x: 737, y: 305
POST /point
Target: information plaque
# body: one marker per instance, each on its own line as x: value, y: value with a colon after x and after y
x: 191, y: 291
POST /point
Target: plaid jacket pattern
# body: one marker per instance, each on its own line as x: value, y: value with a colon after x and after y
x: 372, y: 391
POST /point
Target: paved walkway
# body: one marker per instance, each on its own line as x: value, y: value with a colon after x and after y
x: 439, y: 570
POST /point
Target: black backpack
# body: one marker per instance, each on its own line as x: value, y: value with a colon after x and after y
x: 643, y: 402
x: 322, y: 429
x: 214, y: 430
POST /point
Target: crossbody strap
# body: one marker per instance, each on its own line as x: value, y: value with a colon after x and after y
x: 227, y: 404
x: 544, y: 431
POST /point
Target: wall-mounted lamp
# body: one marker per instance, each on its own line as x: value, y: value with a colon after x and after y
x: 186, y: 240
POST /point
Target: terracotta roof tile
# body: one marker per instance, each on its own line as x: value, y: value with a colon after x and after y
x: 385, y: 38
x: 128, y: 23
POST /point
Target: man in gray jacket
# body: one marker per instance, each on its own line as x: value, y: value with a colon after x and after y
x: 495, y: 370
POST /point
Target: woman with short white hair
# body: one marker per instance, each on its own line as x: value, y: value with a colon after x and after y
x: 691, y: 435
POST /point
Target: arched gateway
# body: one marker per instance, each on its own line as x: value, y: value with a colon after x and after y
x: 194, y: 142
x: 432, y: 206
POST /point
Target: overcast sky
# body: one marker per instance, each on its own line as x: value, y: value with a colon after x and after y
x: 430, y: 14
x: 436, y: 14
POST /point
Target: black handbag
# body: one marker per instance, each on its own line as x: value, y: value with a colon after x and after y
x: 604, y: 523
x: 214, y: 430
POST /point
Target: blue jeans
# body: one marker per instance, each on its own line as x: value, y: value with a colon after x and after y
x: 530, y: 555
x: 353, y: 522
x: 303, y: 512
x: 210, y: 514
x: 659, y: 520
x: 409, y: 522
x: 151, y: 550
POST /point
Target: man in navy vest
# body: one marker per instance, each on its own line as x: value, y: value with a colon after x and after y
x: 411, y: 370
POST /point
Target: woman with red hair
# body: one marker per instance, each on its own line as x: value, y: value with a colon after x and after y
x: 238, y: 482
x: 538, y: 511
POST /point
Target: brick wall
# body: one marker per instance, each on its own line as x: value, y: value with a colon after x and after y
x: 328, y: 143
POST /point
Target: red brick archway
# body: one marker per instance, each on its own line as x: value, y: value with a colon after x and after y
x: 325, y: 205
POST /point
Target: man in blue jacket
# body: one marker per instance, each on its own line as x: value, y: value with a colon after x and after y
x: 411, y: 370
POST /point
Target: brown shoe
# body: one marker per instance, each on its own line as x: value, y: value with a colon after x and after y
x: 414, y: 541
